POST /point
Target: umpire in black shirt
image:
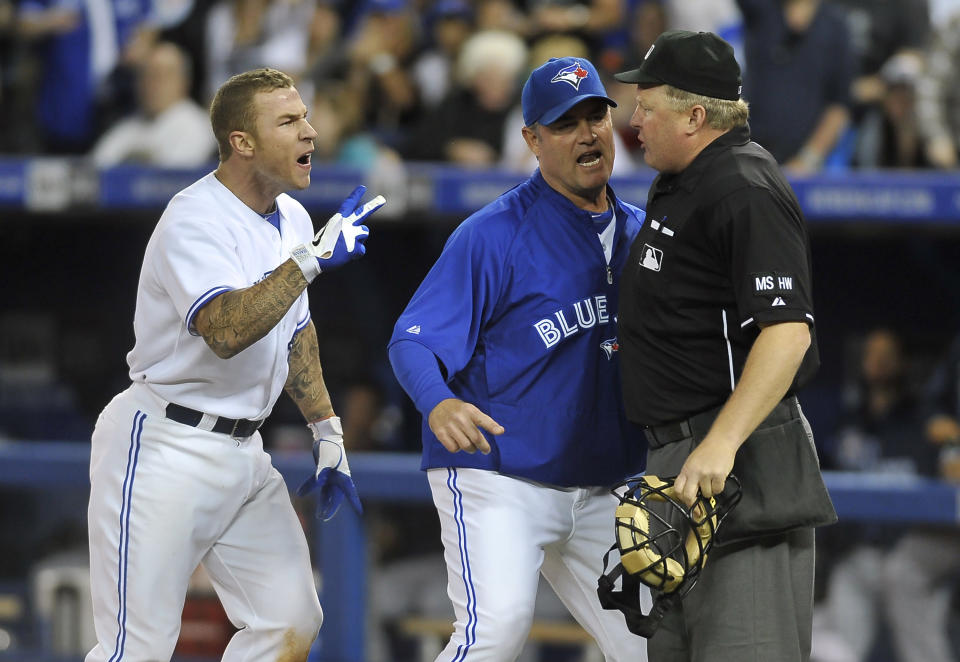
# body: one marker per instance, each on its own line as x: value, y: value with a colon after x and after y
x: 716, y: 334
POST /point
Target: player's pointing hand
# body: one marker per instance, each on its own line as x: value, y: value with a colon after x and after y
x: 341, y: 239
x: 457, y: 425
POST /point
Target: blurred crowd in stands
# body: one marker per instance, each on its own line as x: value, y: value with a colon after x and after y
x: 832, y: 84
x: 889, y: 591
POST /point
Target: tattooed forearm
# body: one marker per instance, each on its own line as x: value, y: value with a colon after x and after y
x: 305, y: 384
x: 235, y: 320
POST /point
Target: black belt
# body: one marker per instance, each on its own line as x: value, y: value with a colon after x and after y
x: 237, y: 428
x: 699, y: 424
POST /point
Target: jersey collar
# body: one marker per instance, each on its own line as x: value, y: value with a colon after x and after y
x: 582, y: 215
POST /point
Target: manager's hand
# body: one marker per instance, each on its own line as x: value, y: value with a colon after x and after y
x: 457, y: 426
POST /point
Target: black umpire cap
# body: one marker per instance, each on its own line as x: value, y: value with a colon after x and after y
x: 698, y: 62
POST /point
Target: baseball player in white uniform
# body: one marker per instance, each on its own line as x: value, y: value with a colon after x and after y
x: 178, y: 472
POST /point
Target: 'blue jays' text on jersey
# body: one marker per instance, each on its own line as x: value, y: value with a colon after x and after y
x: 520, y: 309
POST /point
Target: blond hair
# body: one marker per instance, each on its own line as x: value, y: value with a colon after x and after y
x: 505, y: 49
x: 232, y: 107
x: 722, y: 114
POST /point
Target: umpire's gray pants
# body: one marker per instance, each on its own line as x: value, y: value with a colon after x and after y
x: 753, y: 601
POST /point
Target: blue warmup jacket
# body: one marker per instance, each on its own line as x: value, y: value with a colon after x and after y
x: 520, y: 310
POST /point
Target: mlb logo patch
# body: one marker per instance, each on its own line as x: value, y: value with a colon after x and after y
x: 572, y: 74
x: 652, y: 258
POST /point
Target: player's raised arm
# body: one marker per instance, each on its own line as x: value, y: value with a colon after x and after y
x: 235, y: 320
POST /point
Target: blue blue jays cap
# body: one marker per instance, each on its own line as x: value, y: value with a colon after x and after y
x: 557, y: 86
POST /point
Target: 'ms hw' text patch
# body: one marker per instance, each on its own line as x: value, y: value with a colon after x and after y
x: 771, y: 284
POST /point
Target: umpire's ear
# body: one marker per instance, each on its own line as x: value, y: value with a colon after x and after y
x: 696, y: 119
x: 531, y: 134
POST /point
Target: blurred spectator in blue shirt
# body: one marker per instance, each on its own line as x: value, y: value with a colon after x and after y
x: 797, y: 79
x: 80, y: 43
x: 169, y: 130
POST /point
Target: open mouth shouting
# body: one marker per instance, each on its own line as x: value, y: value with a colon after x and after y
x: 589, y: 159
x: 304, y: 159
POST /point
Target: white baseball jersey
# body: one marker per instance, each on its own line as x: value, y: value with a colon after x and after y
x: 165, y: 496
x: 208, y: 242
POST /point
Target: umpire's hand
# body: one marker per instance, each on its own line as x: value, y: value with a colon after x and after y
x: 457, y: 426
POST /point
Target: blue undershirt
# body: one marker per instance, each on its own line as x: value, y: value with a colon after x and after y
x: 273, y: 218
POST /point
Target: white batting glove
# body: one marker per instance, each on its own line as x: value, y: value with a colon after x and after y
x: 340, y: 239
x: 332, y: 475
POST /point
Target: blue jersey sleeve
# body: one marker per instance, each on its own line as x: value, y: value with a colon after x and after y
x: 419, y: 374
x: 458, y: 295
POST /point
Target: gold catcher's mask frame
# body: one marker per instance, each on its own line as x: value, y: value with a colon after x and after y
x: 657, y: 553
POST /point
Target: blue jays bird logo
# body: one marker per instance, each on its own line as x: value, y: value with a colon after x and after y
x: 572, y: 75
x: 609, y: 347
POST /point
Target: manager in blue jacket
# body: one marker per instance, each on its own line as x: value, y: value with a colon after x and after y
x: 509, y: 347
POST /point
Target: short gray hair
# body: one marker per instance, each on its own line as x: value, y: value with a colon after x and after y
x: 722, y: 114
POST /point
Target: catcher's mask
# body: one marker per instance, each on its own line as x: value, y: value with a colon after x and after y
x: 666, y: 557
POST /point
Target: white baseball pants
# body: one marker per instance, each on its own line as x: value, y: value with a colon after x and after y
x: 499, y: 533
x: 166, y: 497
